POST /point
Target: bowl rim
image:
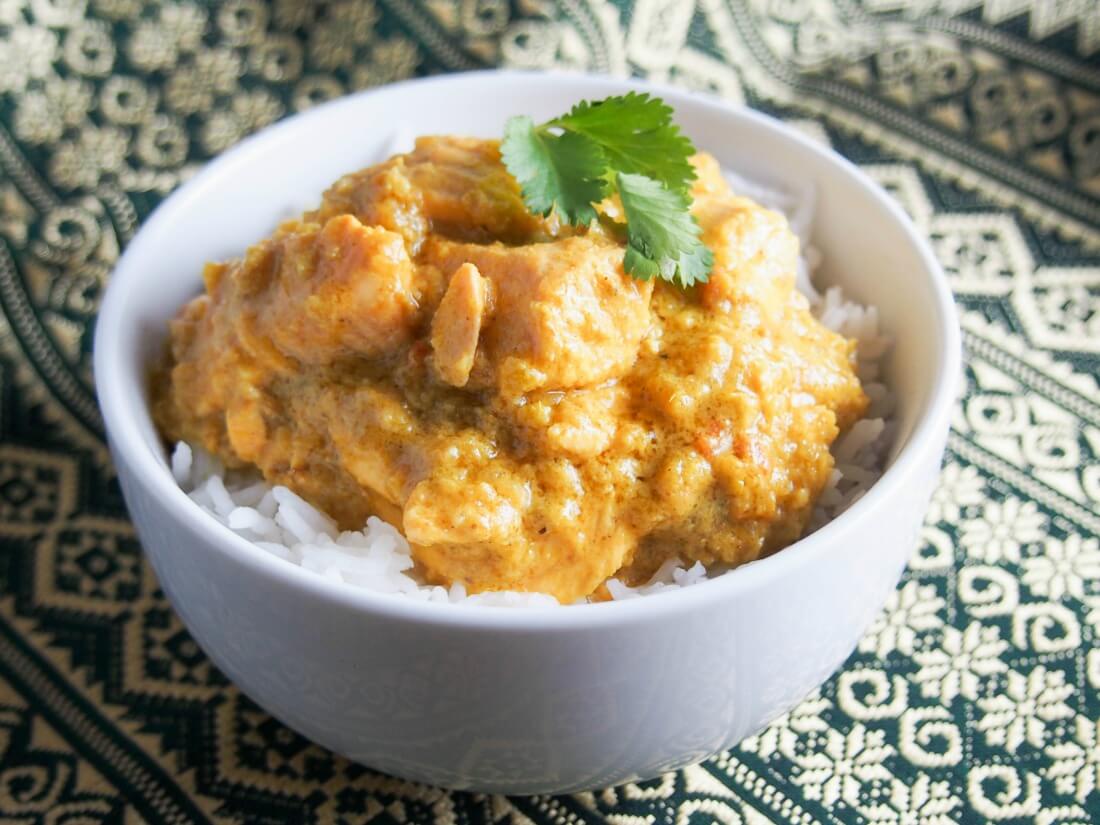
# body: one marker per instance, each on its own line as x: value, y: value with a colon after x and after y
x: 155, y: 477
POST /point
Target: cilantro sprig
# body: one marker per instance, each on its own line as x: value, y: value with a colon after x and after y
x: 626, y: 145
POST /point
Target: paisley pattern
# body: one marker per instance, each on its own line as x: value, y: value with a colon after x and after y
x: 975, y: 697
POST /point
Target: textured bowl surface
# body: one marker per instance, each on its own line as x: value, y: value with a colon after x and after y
x: 538, y: 700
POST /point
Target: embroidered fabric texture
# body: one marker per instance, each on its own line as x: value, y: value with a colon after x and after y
x: 974, y: 697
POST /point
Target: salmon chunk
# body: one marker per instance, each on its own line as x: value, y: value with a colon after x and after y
x: 566, y: 314
x: 340, y: 290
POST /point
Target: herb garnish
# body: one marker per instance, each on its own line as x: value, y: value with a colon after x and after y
x: 625, y: 145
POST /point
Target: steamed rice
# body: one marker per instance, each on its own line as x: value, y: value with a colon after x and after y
x: 378, y: 557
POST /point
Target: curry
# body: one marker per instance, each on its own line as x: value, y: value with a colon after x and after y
x: 423, y: 349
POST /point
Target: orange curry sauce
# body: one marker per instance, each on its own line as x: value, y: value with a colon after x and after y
x: 423, y: 349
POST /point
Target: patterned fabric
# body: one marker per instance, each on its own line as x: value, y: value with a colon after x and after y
x: 975, y: 697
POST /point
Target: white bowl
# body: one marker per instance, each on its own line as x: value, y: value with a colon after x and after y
x: 543, y: 699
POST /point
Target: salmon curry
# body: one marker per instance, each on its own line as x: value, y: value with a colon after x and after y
x: 424, y: 349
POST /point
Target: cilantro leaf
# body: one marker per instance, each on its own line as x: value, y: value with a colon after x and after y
x: 555, y: 171
x: 637, y: 134
x: 662, y: 235
x: 627, y: 145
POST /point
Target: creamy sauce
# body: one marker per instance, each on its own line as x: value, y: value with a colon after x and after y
x: 423, y: 349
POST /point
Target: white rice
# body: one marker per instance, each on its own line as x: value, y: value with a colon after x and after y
x: 378, y: 558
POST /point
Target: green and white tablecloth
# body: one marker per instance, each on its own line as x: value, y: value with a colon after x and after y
x: 974, y: 698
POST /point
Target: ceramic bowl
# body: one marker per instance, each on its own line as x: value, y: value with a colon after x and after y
x: 524, y: 700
